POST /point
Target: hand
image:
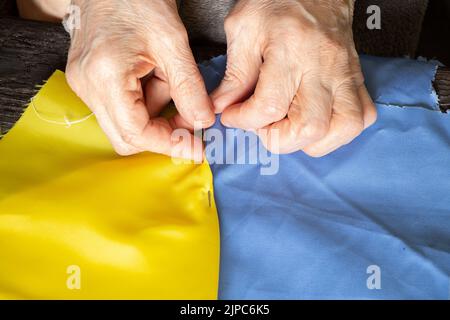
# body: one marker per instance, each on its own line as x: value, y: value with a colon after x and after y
x: 292, y: 67
x: 118, y: 44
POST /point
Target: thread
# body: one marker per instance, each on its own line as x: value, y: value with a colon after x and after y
x: 67, y: 123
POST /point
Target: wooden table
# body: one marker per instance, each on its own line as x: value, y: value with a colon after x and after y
x: 31, y: 51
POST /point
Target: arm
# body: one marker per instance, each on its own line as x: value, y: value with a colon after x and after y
x: 43, y: 10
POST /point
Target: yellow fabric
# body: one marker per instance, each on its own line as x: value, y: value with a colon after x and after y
x: 74, y: 214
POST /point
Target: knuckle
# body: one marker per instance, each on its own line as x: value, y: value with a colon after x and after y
x: 122, y: 149
x: 371, y: 115
x: 332, y: 44
x: 128, y: 136
x: 352, y: 124
x: 273, y: 110
x: 283, y: 50
x: 99, y: 61
x: 230, y: 23
x: 313, y: 130
x: 292, y: 22
x: 313, y: 152
x: 169, y: 40
x: 334, y: 52
x: 237, y: 21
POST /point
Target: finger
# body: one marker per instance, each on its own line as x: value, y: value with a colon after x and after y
x: 157, y: 95
x: 346, y: 124
x: 370, y: 111
x: 274, y: 93
x: 187, y: 88
x: 94, y: 95
x: 241, y: 76
x: 308, y: 119
x: 135, y: 127
x: 177, y: 121
x: 107, y: 125
x: 174, y: 142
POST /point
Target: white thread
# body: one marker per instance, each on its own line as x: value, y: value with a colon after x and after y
x: 67, y: 123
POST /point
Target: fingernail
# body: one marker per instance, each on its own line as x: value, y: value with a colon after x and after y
x: 219, y: 101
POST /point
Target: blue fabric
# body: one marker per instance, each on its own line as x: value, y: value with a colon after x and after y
x: 312, y: 230
x: 400, y: 82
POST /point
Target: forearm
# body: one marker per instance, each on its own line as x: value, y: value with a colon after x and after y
x: 43, y: 10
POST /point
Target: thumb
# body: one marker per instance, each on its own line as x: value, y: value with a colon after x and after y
x: 241, y: 75
x: 188, y: 89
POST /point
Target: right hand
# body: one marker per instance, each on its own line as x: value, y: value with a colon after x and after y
x: 118, y: 44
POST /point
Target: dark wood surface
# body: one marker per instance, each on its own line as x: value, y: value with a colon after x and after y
x: 442, y: 86
x: 31, y: 51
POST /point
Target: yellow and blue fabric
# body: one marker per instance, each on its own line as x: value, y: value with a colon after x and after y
x: 79, y: 222
x: 141, y: 227
x: 319, y: 227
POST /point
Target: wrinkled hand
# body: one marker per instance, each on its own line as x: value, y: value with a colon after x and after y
x: 121, y: 42
x: 293, y: 68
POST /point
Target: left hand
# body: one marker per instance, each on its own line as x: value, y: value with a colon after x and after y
x: 292, y: 67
